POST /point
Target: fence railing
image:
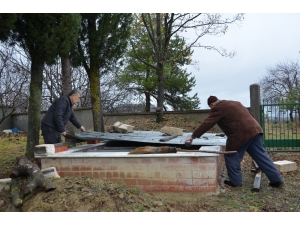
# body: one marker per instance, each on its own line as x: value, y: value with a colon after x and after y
x: 280, y: 123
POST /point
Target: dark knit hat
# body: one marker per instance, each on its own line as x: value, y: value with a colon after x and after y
x: 211, y: 99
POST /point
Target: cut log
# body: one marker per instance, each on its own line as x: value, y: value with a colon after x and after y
x: 15, y: 193
x: 37, y: 179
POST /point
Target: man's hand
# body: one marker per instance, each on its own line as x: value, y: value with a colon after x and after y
x: 63, y: 133
x: 189, y: 139
x: 82, y: 128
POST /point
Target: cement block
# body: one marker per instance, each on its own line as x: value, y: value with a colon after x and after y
x: 50, y: 172
x: 122, y: 127
x: 5, y: 184
x: 44, y: 149
x: 117, y: 124
x: 285, y: 166
x: 172, y: 130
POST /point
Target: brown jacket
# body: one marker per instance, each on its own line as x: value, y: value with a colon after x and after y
x: 235, y: 120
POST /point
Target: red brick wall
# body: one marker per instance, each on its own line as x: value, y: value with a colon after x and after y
x: 177, y: 174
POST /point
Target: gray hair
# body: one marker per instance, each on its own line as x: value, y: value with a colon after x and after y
x: 75, y: 92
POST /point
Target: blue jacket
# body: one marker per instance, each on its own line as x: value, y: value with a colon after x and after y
x: 59, y: 113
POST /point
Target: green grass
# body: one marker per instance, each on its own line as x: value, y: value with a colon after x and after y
x: 11, y: 146
x: 10, y: 149
x: 282, y: 130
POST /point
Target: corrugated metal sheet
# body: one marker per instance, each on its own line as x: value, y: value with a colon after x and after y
x: 153, y: 137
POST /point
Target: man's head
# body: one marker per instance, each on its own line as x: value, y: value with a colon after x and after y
x: 75, y: 95
x: 211, y: 100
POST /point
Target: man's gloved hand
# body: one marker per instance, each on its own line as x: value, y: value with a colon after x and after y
x: 82, y: 128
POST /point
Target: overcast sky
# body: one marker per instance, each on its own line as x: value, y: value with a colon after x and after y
x: 261, y: 41
x: 269, y: 34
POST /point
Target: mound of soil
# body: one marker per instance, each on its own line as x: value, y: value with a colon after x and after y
x: 83, y: 194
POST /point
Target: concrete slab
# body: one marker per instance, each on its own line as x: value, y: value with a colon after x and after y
x: 93, y: 151
x: 285, y: 166
x: 5, y: 184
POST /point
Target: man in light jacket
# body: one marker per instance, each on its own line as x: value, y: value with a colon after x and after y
x: 243, y: 134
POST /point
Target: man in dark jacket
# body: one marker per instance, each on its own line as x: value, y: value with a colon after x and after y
x: 243, y: 134
x: 59, y: 113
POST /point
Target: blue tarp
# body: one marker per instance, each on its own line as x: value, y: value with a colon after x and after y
x: 15, y: 130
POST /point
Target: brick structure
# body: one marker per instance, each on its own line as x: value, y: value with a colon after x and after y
x: 175, y: 172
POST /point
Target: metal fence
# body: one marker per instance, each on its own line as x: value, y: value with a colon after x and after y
x: 280, y: 123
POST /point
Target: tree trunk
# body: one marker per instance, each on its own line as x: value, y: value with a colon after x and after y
x: 66, y: 75
x: 160, y: 70
x: 147, y: 93
x: 31, y: 170
x: 147, y: 108
x: 94, y: 80
x: 34, y: 108
x: 160, y: 94
x: 67, y: 88
x: 291, y: 115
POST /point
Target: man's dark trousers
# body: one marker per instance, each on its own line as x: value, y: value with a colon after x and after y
x: 256, y: 150
x: 50, y: 135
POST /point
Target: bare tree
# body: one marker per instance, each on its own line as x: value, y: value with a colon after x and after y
x: 53, y: 84
x: 282, y: 82
x: 14, y: 81
x: 115, y: 97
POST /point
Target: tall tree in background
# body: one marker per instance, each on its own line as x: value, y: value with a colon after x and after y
x: 69, y: 44
x: 162, y: 27
x: 178, y: 81
x: 137, y: 77
x: 102, y: 42
x: 7, y: 24
x: 42, y: 36
x: 142, y: 79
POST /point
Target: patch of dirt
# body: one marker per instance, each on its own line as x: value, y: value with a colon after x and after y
x: 83, y: 194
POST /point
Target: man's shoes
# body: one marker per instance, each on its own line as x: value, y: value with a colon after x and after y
x: 276, y: 184
x: 228, y: 182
